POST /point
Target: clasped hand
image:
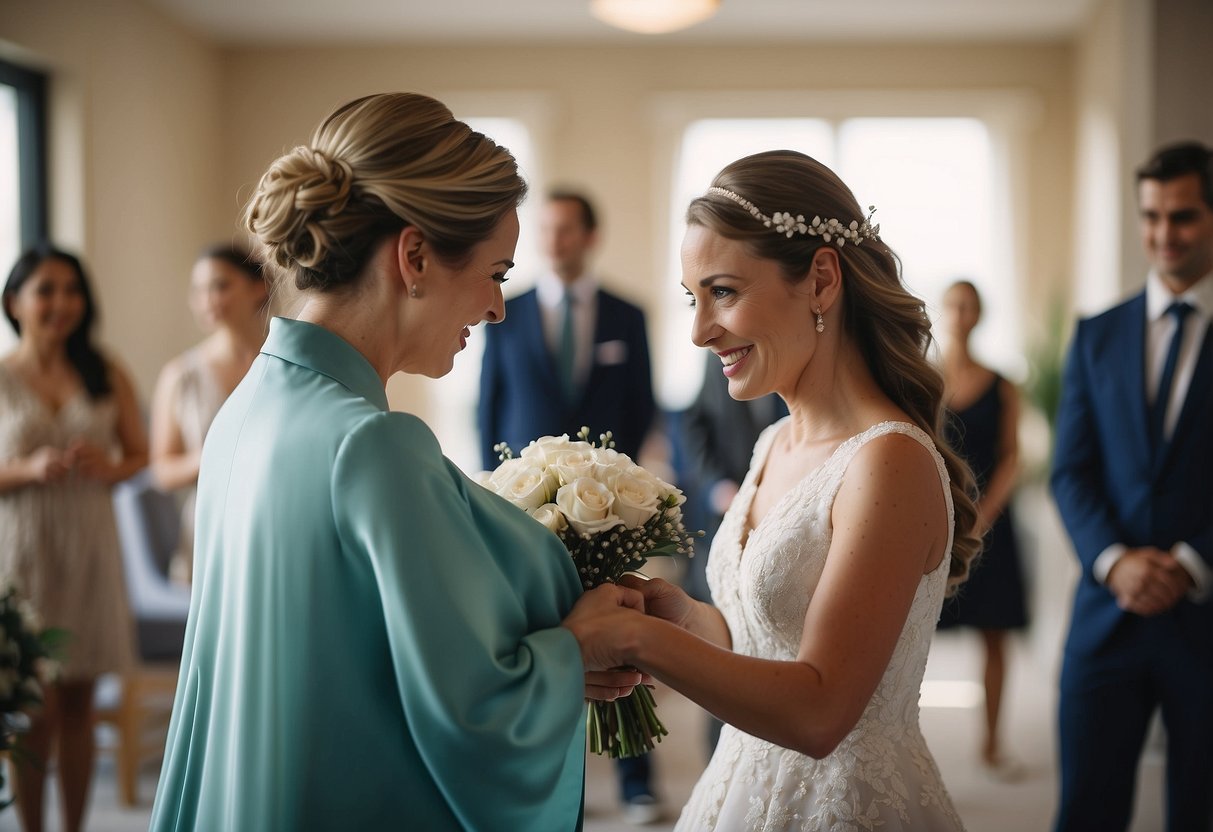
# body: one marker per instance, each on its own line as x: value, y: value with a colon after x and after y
x: 608, y: 628
x: 1148, y: 581
x: 48, y: 464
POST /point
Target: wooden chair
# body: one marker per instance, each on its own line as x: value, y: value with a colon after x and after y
x: 149, y: 524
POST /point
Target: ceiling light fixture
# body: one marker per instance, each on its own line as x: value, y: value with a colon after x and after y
x: 653, y: 17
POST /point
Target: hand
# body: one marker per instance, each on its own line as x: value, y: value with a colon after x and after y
x: 1148, y: 581
x: 663, y: 599
x: 90, y: 461
x: 47, y: 465
x: 608, y: 685
x: 601, y: 621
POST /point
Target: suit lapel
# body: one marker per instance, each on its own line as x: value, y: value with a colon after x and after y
x: 602, y: 333
x: 1134, y: 376
x: 1198, y: 391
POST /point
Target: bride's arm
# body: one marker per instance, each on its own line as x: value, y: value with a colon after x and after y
x: 890, y: 527
x: 664, y: 600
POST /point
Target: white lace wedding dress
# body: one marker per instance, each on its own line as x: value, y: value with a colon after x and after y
x: 881, y: 776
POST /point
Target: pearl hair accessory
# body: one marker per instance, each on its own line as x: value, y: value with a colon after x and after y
x: 831, y: 230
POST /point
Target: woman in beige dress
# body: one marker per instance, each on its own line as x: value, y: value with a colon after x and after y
x: 228, y: 297
x: 69, y: 429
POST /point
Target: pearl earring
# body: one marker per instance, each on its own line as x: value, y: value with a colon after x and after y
x: 821, y: 321
x: 413, y: 291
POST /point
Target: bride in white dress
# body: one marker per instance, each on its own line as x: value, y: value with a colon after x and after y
x: 832, y: 564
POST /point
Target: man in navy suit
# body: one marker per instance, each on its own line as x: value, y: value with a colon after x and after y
x: 1133, y: 480
x: 568, y: 354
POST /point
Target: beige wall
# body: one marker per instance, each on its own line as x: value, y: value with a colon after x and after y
x: 135, y: 125
x: 1183, y: 66
x: 603, y: 121
x: 160, y: 136
x: 600, y: 125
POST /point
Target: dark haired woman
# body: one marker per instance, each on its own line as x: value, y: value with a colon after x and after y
x: 69, y: 429
x: 229, y: 299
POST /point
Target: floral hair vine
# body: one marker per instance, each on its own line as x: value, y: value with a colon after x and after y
x: 831, y: 230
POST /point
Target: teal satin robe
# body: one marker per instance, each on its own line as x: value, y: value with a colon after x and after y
x: 374, y: 641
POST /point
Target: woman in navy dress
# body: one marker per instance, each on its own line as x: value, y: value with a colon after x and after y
x: 983, y: 410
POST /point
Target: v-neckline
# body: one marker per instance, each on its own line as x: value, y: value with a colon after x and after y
x: 54, y: 412
x: 748, y: 532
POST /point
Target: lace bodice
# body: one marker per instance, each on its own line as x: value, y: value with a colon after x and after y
x: 881, y: 776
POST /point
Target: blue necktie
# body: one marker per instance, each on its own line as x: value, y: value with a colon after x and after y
x: 568, y: 349
x: 1158, y: 413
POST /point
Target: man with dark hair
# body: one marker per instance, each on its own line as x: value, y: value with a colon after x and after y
x: 1133, y: 480
x: 570, y: 354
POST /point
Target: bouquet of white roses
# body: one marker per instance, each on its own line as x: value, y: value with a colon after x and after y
x: 612, y: 515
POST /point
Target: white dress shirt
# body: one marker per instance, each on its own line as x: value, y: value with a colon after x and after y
x: 1159, y: 328
x: 549, y: 290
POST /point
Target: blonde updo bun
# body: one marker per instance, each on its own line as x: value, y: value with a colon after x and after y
x: 374, y: 166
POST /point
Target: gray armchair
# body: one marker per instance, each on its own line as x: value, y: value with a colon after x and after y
x: 149, y: 524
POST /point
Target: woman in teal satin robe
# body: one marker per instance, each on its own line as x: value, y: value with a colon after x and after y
x: 375, y: 642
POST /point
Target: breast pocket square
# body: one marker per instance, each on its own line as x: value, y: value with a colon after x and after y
x: 608, y: 353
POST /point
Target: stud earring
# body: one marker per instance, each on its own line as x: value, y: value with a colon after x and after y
x: 821, y: 321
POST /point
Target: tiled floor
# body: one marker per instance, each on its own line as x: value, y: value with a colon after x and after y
x: 951, y: 719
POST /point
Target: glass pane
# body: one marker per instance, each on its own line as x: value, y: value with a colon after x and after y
x: 707, y: 146
x: 933, y: 184
x: 10, y: 199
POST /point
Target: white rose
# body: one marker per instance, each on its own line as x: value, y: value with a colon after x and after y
x: 550, y: 515
x: 608, y: 463
x: 527, y: 487
x: 484, y: 479
x: 636, y: 499
x: 572, y: 465
x: 587, y: 505
x: 505, y: 472
x: 544, y: 449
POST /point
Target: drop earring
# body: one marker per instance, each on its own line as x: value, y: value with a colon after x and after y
x: 413, y: 291
x: 821, y: 321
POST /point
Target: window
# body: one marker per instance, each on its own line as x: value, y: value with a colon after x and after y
x: 934, y: 186
x: 22, y: 169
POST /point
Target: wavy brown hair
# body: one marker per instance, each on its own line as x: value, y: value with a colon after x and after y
x: 374, y: 166
x: 890, y: 325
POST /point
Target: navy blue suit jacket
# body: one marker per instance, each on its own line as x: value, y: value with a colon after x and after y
x: 520, y: 392
x: 1111, y: 486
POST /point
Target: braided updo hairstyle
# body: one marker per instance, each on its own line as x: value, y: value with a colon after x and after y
x: 888, y: 323
x: 373, y: 167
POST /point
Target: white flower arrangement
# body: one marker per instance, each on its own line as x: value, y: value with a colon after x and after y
x: 611, y: 515
x: 27, y: 651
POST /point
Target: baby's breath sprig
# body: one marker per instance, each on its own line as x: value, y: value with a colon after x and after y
x: 605, y: 440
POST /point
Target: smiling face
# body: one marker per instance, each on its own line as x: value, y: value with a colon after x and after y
x: 50, y: 305
x: 455, y: 299
x: 223, y: 295
x: 760, y: 324
x: 1176, y: 229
